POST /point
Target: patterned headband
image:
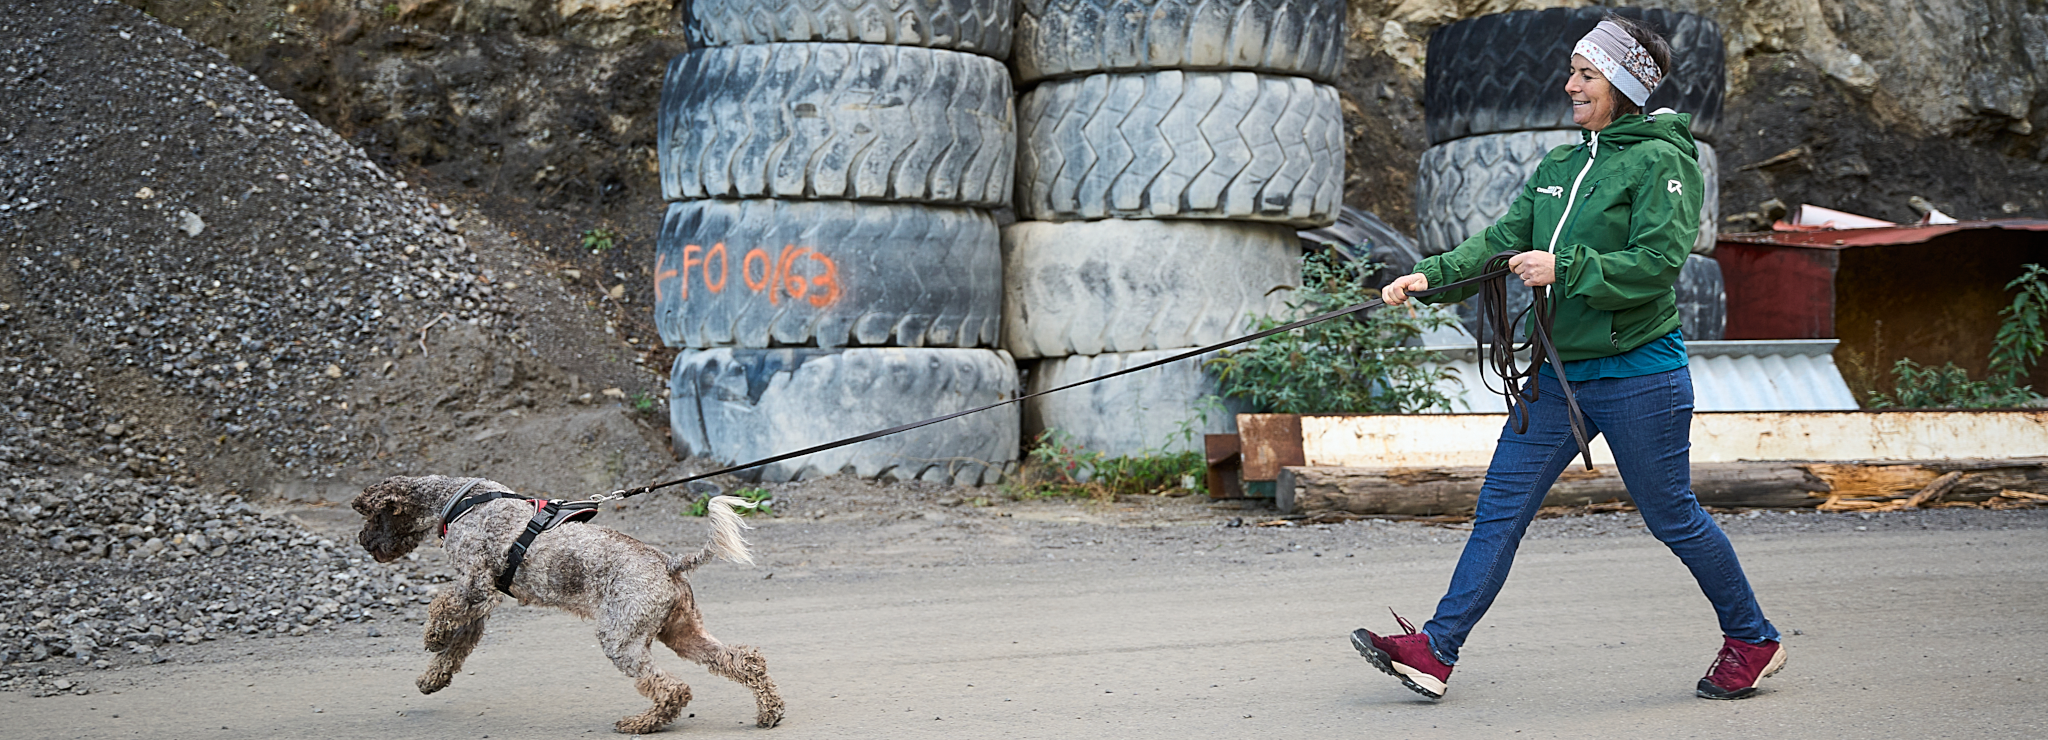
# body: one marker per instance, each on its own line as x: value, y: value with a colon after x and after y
x: 1627, y: 64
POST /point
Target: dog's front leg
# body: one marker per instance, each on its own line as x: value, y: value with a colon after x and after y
x: 453, y: 629
x: 453, y: 609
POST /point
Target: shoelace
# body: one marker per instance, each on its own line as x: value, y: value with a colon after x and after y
x: 1728, y: 657
x: 1404, y: 623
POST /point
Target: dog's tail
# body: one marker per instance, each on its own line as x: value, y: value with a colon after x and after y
x: 726, y: 541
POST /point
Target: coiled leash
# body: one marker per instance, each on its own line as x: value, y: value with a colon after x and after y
x: 1500, y: 357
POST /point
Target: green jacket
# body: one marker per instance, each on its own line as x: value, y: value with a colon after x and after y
x: 1631, y: 210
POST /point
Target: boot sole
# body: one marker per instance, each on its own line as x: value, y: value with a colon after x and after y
x: 1707, y: 690
x: 1416, y: 681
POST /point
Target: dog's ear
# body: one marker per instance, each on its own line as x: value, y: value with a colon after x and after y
x: 393, y: 497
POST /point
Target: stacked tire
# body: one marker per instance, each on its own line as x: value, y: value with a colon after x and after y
x: 829, y: 262
x: 1494, y: 106
x: 1167, y: 152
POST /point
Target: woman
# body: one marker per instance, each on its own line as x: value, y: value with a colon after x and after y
x: 1606, y: 224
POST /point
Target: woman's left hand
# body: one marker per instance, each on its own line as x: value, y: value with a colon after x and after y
x: 1535, y: 268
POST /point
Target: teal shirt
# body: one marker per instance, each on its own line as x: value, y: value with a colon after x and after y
x: 1663, y: 354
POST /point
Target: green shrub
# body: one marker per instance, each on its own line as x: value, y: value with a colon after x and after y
x: 2017, y: 347
x: 598, y: 240
x: 1347, y: 365
x: 759, y: 497
x: 1057, y: 466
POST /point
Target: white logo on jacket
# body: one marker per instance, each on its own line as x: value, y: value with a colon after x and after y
x: 1554, y: 191
x: 1674, y: 186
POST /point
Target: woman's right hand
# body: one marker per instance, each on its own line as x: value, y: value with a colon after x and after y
x: 1396, y: 293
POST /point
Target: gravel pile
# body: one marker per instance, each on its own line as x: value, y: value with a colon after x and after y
x: 111, y: 571
x: 179, y: 236
x: 181, y: 220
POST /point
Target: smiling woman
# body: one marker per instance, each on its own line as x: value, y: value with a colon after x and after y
x: 1603, y: 227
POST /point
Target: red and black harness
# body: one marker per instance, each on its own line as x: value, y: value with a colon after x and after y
x: 547, y: 514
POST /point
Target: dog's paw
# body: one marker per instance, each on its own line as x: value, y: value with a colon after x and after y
x: 767, y: 709
x: 639, y: 724
x: 433, y: 681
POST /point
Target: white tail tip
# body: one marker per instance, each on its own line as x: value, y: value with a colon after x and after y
x: 726, y: 524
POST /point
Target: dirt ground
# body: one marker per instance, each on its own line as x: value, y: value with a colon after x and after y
x: 1156, y: 620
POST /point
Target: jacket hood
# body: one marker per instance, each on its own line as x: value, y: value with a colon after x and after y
x: 1635, y: 128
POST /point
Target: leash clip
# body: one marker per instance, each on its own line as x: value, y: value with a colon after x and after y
x: 613, y: 496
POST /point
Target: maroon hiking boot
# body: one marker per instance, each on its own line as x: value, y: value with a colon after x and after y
x: 1739, y: 666
x: 1406, y: 657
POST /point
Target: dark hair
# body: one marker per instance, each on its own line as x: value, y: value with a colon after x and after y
x: 1653, y: 42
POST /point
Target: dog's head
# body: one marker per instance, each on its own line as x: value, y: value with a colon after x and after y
x: 393, y: 517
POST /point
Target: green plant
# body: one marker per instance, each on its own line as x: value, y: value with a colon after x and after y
x: 598, y: 240
x: 759, y: 497
x: 2018, y: 345
x: 1056, y: 466
x: 1351, y: 364
x: 391, y: 11
x: 644, y: 402
x: 2023, y: 335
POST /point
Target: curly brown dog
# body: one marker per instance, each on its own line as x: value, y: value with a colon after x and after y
x: 636, y: 593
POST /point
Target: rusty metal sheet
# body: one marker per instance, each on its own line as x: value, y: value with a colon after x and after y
x: 1225, y: 465
x: 1879, y: 237
x: 1269, y: 443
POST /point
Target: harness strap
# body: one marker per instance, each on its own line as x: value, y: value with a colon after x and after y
x: 461, y: 504
x: 547, y: 514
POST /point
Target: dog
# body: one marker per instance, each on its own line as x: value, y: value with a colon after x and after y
x: 636, y: 593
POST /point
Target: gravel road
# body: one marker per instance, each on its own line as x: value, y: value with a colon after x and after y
x: 1159, y: 620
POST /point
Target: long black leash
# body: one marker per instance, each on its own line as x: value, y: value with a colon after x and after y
x: 1494, y: 315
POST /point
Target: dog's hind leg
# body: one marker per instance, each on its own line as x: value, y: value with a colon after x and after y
x: 627, y: 642
x: 685, y: 634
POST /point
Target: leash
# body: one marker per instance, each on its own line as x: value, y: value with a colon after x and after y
x: 1493, y: 313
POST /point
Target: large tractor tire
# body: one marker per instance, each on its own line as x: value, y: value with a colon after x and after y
x: 837, y: 122
x: 1702, y: 299
x: 976, y: 26
x: 1164, y: 409
x: 1065, y: 38
x: 740, y: 405
x: 1506, y: 72
x: 1091, y: 287
x: 760, y: 273
x: 1203, y: 145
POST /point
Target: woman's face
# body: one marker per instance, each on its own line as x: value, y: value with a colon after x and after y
x: 1592, y: 97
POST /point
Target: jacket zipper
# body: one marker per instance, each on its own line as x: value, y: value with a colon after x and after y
x: 1592, y: 151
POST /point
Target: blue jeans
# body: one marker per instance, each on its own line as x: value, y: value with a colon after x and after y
x: 1650, y: 418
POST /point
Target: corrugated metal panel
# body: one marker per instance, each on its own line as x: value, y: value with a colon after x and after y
x: 1791, y: 375
x: 1787, y: 375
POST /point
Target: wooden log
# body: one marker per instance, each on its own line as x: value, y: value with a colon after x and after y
x: 1433, y: 491
x: 1933, y: 491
